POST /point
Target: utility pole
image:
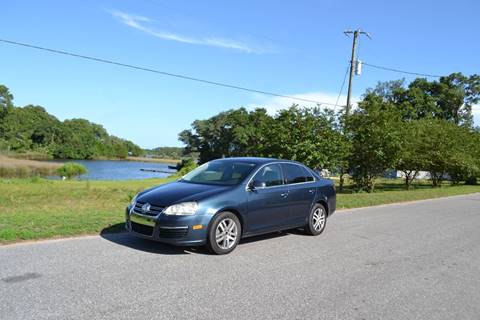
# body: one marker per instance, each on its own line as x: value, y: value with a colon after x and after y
x: 353, y: 65
x: 353, y: 60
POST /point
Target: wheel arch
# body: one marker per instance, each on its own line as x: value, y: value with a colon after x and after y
x: 324, y: 204
x: 236, y: 213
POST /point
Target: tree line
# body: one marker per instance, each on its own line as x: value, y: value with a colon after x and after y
x: 32, y: 128
x: 167, y: 152
x: 423, y: 126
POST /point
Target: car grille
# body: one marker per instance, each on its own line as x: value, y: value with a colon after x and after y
x: 172, y: 232
x: 154, y: 210
x: 142, y: 229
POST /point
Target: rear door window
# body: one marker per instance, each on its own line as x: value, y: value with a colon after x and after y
x: 309, y: 175
x: 296, y: 174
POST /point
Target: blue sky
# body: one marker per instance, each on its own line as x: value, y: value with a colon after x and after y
x: 293, y: 48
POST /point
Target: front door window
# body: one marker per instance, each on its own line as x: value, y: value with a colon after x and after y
x: 271, y: 175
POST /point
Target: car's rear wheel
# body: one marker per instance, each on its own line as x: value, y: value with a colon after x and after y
x: 224, y: 233
x: 317, y: 220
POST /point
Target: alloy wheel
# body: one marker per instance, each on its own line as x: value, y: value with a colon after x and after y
x: 226, y: 233
x: 319, y: 217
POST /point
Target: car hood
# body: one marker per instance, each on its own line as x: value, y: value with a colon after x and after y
x: 175, y: 192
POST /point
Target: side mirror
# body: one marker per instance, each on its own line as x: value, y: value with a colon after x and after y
x: 256, y: 184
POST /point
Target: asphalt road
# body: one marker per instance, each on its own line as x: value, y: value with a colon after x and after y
x: 408, y: 261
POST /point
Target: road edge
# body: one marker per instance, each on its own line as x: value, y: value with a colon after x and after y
x: 339, y: 211
x: 406, y: 202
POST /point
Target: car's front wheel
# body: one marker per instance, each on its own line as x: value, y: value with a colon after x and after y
x: 224, y: 233
x: 317, y: 220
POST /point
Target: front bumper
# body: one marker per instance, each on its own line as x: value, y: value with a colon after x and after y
x: 176, y: 230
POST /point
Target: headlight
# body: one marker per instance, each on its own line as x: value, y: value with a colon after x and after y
x: 182, y: 209
x: 134, y: 200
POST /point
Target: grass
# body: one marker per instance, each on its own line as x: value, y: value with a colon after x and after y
x: 27, y: 155
x: 357, y: 200
x: 159, y: 160
x: 38, y: 209
x: 22, y: 168
x: 393, y: 190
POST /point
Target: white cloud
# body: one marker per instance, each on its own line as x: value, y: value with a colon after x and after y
x: 476, y: 114
x: 476, y: 109
x: 273, y: 104
x: 142, y: 23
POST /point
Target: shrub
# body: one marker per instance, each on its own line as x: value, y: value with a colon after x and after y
x: 376, y: 141
x: 186, y: 166
x: 35, y: 179
x: 472, y: 181
x: 71, y: 169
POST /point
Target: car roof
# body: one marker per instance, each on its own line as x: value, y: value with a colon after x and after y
x: 256, y: 160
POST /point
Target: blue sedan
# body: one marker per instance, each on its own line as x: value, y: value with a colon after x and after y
x: 225, y: 200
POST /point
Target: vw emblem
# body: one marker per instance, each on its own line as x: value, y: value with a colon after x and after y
x: 146, y: 207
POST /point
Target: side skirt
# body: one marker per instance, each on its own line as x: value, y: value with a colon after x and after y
x: 283, y: 228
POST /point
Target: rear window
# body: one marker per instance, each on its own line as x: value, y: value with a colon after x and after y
x: 296, y: 174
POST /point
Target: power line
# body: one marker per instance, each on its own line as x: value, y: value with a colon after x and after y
x: 181, y: 76
x: 401, y: 71
x: 343, y: 84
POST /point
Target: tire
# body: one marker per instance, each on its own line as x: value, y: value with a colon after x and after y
x: 220, y: 241
x: 315, y: 226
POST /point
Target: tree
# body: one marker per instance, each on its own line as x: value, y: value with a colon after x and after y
x: 308, y: 135
x: 29, y: 128
x: 456, y: 94
x: 6, y: 99
x: 416, y: 101
x: 376, y: 140
x: 167, y: 152
x: 32, y: 128
x: 311, y: 136
x: 409, y: 161
x: 228, y: 134
x: 466, y: 162
x: 449, y: 98
x: 446, y: 150
x: 133, y: 149
x: 80, y: 139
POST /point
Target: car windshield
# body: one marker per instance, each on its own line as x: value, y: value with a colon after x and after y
x: 227, y: 173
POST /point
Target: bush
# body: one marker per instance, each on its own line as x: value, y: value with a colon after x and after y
x: 471, y: 181
x: 186, y: 166
x: 71, y: 169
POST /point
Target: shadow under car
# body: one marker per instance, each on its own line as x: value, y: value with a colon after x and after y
x: 118, y: 235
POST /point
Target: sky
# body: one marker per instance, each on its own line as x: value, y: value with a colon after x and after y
x: 294, y: 48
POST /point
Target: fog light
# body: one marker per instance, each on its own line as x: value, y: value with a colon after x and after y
x: 197, y: 227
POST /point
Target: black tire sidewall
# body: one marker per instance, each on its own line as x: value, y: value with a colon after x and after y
x: 211, y: 242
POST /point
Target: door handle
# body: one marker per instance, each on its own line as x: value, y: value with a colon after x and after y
x: 311, y: 190
x: 284, y: 194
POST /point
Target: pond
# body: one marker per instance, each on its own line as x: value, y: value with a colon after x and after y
x: 122, y: 169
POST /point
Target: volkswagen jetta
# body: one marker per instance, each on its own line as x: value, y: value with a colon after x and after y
x: 225, y: 200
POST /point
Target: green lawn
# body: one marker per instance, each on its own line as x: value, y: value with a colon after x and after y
x: 39, y: 209
x: 356, y: 200
x: 393, y: 190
